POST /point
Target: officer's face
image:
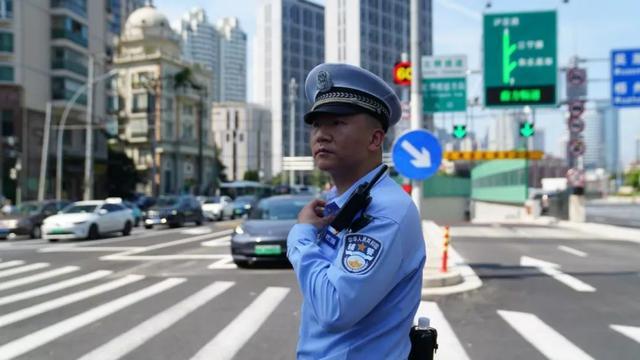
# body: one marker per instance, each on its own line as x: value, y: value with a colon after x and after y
x: 344, y: 142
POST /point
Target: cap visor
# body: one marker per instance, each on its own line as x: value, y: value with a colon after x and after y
x: 333, y: 109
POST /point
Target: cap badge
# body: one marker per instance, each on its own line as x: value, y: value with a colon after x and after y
x: 324, y: 82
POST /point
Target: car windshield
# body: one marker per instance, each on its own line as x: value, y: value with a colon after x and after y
x: 247, y: 199
x: 78, y: 209
x: 26, y: 209
x: 270, y: 209
x: 167, y: 201
x: 213, y: 200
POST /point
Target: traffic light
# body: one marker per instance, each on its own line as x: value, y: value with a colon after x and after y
x: 459, y: 131
x: 526, y: 129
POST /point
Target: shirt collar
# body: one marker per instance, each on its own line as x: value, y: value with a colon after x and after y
x: 332, y: 196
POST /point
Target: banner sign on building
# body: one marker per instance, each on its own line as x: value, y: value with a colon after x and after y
x: 520, y: 59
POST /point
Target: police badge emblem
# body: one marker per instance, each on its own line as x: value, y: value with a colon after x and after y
x: 323, y: 81
x: 361, y: 252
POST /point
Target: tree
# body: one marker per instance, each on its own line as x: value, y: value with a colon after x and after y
x: 251, y: 175
x: 632, y: 178
x: 122, y: 170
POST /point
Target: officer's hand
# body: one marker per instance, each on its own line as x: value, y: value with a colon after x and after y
x: 312, y: 214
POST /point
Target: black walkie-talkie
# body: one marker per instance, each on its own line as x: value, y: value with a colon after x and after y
x: 358, y: 201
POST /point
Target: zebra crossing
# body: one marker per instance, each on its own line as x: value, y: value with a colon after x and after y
x: 41, y: 291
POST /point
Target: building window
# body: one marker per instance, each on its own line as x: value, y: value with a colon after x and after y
x: 63, y: 88
x: 139, y: 103
x: 187, y: 109
x: 64, y: 27
x: 168, y: 130
x: 295, y: 15
x: 240, y: 137
x: 113, y: 103
x: 139, y: 79
x: 6, y: 9
x: 168, y: 104
x: 6, y: 73
x: 228, y: 137
x: 67, y: 59
x: 7, y: 123
x: 77, y: 6
x: 6, y: 41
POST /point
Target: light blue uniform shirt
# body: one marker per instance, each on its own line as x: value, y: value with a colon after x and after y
x: 360, y: 298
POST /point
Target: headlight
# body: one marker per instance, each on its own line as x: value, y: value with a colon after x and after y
x: 79, y: 222
x: 239, y: 230
x: 10, y: 223
x: 174, y: 212
x: 247, y: 206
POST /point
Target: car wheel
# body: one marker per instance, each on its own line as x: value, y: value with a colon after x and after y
x: 137, y: 223
x: 199, y: 221
x: 127, y: 228
x: 36, y: 232
x: 242, y: 264
x: 148, y: 226
x: 53, y: 240
x: 93, y: 232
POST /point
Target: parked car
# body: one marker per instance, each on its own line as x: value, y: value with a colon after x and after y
x: 174, y: 211
x: 26, y: 219
x: 135, y: 210
x: 239, y: 207
x: 212, y: 207
x: 88, y: 220
x: 262, y: 237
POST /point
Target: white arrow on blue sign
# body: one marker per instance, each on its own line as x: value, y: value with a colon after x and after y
x: 417, y: 154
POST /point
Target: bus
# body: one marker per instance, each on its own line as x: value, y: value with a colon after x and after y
x: 239, y: 188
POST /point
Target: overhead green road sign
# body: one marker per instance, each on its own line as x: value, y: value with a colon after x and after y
x: 444, y: 83
x: 520, y: 59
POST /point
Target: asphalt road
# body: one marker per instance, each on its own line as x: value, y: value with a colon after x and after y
x: 175, y: 294
x: 615, y: 214
x: 528, y: 312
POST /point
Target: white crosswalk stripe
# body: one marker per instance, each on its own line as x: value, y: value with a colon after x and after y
x: 543, y: 337
x: 132, y: 339
x: 44, y: 336
x: 66, y: 300
x: 54, y: 287
x: 632, y: 332
x: 22, y: 269
x: 449, y: 347
x: 231, y: 339
x: 9, y: 264
x: 38, y: 277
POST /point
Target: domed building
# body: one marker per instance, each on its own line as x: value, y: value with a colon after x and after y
x: 162, y: 103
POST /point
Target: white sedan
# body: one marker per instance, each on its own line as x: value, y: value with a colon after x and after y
x: 212, y: 207
x: 88, y: 220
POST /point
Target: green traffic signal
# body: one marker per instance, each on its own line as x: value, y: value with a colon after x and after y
x: 459, y: 131
x: 526, y: 129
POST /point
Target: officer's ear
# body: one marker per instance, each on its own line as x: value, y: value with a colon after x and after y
x: 377, y: 134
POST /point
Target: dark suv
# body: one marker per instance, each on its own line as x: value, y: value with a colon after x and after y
x: 173, y: 211
x: 27, y: 218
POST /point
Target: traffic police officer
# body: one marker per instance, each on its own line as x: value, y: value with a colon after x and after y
x: 361, y: 286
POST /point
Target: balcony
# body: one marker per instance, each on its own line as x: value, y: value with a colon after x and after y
x: 75, y: 37
x: 66, y: 94
x: 73, y: 66
x: 78, y: 7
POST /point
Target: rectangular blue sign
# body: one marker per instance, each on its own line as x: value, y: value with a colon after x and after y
x: 625, y: 77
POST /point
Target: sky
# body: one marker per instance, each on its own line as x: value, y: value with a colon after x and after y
x: 587, y: 28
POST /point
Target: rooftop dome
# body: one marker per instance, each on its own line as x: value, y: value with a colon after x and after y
x: 146, y: 17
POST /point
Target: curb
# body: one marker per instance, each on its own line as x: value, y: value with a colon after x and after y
x: 451, y: 277
x: 470, y: 281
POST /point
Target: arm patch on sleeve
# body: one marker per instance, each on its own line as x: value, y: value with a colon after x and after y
x: 361, y: 252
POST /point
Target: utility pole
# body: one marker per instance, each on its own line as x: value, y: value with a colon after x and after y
x: 293, y: 90
x: 203, y: 96
x: 416, y: 89
x: 151, y: 111
x: 45, y: 153
x: 88, y: 151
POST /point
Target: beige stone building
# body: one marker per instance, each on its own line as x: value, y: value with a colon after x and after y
x: 162, y: 105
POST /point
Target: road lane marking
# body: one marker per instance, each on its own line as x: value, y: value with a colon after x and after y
x: 37, y: 277
x: 54, y: 287
x: 544, y: 338
x: 44, y: 336
x: 23, y: 269
x: 572, y: 251
x: 38, y: 309
x: 197, y: 231
x: 223, y: 241
x: 224, y: 263
x: 631, y: 331
x: 551, y: 269
x: 449, y: 347
x: 53, y: 249
x: 233, y: 337
x: 132, y: 339
x: 9, y: 264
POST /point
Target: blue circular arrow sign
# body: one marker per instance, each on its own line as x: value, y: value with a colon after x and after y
x: 417, y: 154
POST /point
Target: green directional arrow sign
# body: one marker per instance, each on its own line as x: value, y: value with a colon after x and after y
x: 459, y: 131
x: 526, y: 129
x: 520, y: 59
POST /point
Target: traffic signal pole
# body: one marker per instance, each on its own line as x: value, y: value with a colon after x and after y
x: 416, y: 89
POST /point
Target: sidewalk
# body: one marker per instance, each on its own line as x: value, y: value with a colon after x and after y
x: 604, y: 231
x: 459, y: 277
